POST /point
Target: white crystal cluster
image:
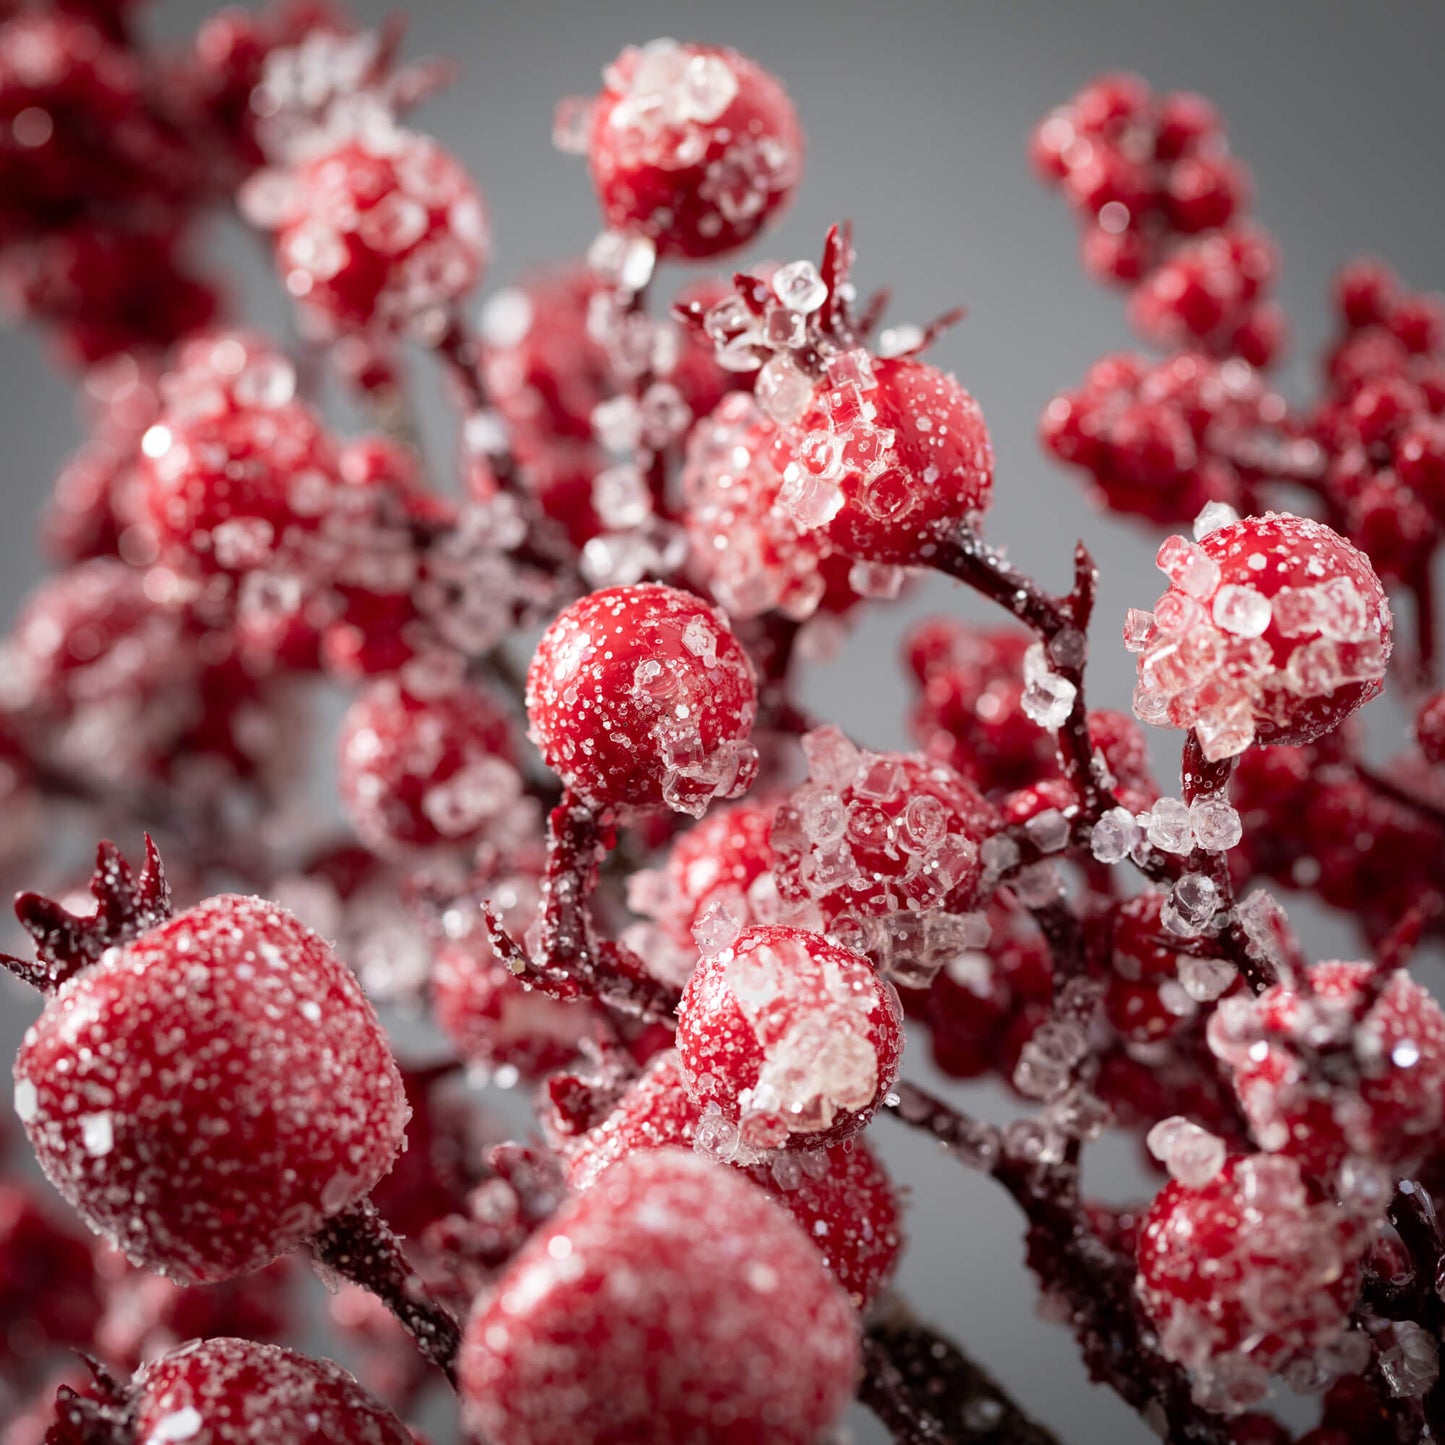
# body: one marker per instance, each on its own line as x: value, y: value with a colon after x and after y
x: 879, y: 841
x: 1192, y: 1155
x: 1205, y: 662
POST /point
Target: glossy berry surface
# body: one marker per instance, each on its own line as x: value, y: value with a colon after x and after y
x: 791, y: 1039
x: 641, y: 697
x: 220, y: 1391
x: 672, y: 1302
x: 694, y: 146
x: 208, y: 1094
x: 1274, y: 629
x: 421, y: 770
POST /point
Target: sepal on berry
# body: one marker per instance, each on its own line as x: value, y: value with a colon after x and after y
x: 65, y: 942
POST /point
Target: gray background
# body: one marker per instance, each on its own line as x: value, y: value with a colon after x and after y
x: 917, y: 115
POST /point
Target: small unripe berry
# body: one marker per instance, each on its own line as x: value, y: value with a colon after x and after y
x: 642, y: 698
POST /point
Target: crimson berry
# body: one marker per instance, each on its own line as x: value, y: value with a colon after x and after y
x: 841, y: 1196
x: 1430, y: 728
x: 694, y: 146
x: 642, y: 698
x: 234, y: 464
x: 49, y: 1294
x: 754, y: 554
x: 220, y: 1390
x: 888, y: 455
x: 1244, y: 1272
x: 383, y: 229
x: 422, y: 769
x: 1385, y: 1097
x: 885, y: 845
x: 1274, y: 629
x: 724, y: 862
x: 792, y: 1039
x: 671, y: 1304
x: 205, y: 1090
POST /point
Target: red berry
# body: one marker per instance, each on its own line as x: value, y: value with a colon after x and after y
x: 725, y: 861
x: 842, y: 1196
x: 1384, y: 1100
x: 1274, y: 629
x: 642, y: 698
x: 208, y: 1093
x: 234, y: 465
x: 882, y: 843
x: 1244, y: 1273
x: 888, y: 456
x: 694, y: 146
x: 49, y: 1294
x: 220, y: 1390
x: 754, y: 554
x: 384, y: 229
x: 791, y: 1039
x: 1430, y: 728
x: 671, y: 1304
x: 418, y: 770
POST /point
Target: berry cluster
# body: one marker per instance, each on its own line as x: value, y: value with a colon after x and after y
x: 624, y: 873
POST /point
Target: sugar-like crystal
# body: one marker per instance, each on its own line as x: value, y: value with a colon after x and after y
x: 833, y: 760
x: 784, y: 329
x: 1113, y: 837
x: 1192, y: 1155
x: 572, y: 124
x: 176, y: 1427
x: 900, y: 340
x: 852, y: 369
x: 1212, y: 517
x: 665, y: 415
x: 782, y: 390
x: 617, y: 424
x: 709, y: 85
x: 1205, y: 979
x: 1170, y: 826
x: 701, y: 640
x: 799, y: 286
x: 813, y: 500
x: 621, y: 497
x: 716, y: 928
x: 823, y: 817
x: 999, y: 853
x: 1411, y: 1365
x: 1190, y: 906
x: 1139, y: 629
x: 1048, y: 830
x: 1216, y: 823
x: 625, y: 258
x: 1241, y: 611
x: 1341, y: 609
x: 1188, y: 567
x: 1038, y: 885
x: 1067, y: 648
x: 1048, y: 700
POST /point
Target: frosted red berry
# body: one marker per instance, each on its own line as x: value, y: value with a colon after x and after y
x: 693, y: 146
x: 1245, y: 1272
x: 642, y: 698
x: 1430, y: 728
x: 209, y: 1092
x: 220, y: 1389
x: 49, y: 1292
x: 1383, y: 1100
x: 1274, y: 629
x: 888, y: 456
x: 420, y: 769
x: 791, y: 1039
x: 380, y: 229
x: 672, y: 1302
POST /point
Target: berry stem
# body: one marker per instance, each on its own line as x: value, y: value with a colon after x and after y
x: 358, y: 1245
x: 461, y: 353
x: 963, y: 555
x: 572, y: 960
x: 928, y: 1391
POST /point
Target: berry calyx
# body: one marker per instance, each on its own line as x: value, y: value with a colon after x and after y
x: 641, y: 698
x: 792, y: 1039
x: 748, y: 1337
x: 693, y: 146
